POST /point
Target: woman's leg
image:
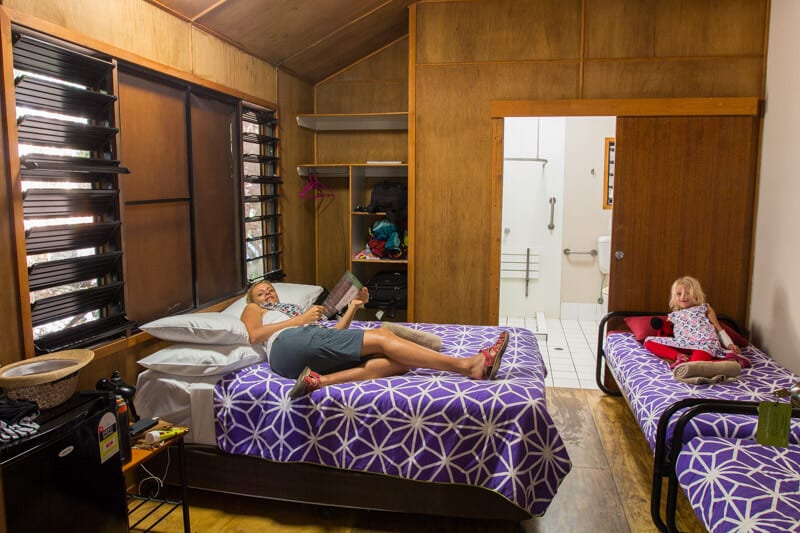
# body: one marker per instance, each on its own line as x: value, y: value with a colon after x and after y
x: 410, y: 355
x: 374, y: 368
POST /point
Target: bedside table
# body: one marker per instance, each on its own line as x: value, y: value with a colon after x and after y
x: 151, y: 507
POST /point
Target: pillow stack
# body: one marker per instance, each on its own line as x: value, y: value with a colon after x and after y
x: 209, y: 344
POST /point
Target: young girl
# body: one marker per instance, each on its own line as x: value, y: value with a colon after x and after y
x: 698, y: 335
x: 319, y: 356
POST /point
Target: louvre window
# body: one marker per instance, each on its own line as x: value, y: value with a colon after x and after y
x: 69, y: 175
x: 261, y: 194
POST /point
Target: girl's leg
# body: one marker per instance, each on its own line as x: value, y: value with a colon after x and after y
x: 410, y: 355
x: 376, y: 367
x: 700, y: 355
x: 663, y: 351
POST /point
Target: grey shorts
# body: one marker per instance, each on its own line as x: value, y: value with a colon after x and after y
x: 323, y: 350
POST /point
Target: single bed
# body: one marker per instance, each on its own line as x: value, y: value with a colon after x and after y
x: 656, y: 398
x: 735, y: 484
x: 424, y: 442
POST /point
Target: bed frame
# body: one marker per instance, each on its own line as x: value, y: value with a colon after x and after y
x: 208, y: 468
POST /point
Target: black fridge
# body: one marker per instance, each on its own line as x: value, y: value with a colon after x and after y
x: 67, y: 477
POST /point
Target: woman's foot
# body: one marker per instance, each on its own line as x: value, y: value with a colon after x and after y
x: 743, y: 361
x: 493, y: 355
x: 307, y: 382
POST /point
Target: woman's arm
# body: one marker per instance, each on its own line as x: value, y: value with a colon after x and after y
x: 725, y: 339
x: 259, y: 333
x: 355, y: 304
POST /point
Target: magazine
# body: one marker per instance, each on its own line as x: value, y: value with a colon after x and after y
x: 341, y: 294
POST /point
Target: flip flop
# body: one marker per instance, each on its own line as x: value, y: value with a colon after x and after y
x: 493, y: 356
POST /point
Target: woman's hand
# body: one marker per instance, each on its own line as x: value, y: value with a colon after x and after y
x: 735, y: 349
x: 316, y: 312
x: 361, y: 298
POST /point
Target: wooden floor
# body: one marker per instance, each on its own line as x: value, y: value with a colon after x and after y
x: 608, y: 489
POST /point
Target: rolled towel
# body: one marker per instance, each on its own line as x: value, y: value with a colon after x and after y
x: 423, y: 338
x: 706, y: 372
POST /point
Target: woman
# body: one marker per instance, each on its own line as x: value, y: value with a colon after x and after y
x: 320, y: 356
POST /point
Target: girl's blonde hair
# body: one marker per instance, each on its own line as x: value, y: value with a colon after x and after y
x: 249, y: 296
x: 690, y: 284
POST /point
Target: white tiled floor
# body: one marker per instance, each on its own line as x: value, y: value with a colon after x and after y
x: 569, y: 348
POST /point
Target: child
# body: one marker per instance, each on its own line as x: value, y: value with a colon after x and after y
x: 698, y: 335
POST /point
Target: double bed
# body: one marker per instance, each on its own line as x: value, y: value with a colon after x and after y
x: 424, y: 442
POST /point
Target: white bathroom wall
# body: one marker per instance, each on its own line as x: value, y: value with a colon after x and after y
x: 527, y: 189
x: 584, y: 216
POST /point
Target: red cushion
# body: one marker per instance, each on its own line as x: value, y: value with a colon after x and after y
x: 737, y: 338
x: 641, y: 328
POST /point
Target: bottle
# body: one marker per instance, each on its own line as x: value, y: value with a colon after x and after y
x: 123, y: 430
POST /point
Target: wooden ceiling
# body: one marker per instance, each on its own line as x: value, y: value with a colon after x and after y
x: 309, y: 38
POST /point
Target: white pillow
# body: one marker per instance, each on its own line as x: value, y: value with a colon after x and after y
x: 199, y: 328
x: 203, y: 359
x: 290, y: 293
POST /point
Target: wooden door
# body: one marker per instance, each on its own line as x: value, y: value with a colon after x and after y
x: 683, y: 205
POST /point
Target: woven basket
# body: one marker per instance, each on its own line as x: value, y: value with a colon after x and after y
x: 47, y: 395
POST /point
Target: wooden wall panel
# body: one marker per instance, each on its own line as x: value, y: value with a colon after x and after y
x: 133, y: 25
x: 375, y: 85
x: 453, y: 182
x: 360, y: 147
x: 296, y: 147
x: 222, y: 63
x: 709, y: 27
x: 333, y: 233
x: 215, y: 200
x: 500, y: 30
x: 152, y: 118
x: 157, y: 247
x: 672, y: 78
x: 472, y: 53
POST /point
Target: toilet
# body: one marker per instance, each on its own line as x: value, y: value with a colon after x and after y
x: 604, y: 253
x: 604, y: 258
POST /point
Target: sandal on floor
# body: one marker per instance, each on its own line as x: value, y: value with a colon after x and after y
x: 493, y: 355
x: 307, y: 382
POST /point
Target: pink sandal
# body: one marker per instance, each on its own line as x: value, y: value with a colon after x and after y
x: 493, y: 355
x: 307, y: 382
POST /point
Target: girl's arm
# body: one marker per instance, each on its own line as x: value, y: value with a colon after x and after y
x: 723, y: 335
x: 355, y: 304
x: 259, y: 333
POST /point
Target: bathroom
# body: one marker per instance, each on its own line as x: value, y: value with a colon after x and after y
x: 557, y: 197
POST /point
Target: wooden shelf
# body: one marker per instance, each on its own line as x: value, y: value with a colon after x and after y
x: 381, y: 261
x: 342, y: 170
x: 363, y: 121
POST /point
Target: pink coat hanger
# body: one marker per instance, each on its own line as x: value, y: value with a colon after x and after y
x: 315, y: 188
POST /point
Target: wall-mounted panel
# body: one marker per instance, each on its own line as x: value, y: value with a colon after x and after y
x: 133, y: 25
x: 500, y: 30
x: 222, y: 63
x: 158, y: 260
x: 215, y: 199
x: 153, y: 124
x: 672, y: 78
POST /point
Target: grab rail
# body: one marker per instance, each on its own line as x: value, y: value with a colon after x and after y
x: 592, y: 252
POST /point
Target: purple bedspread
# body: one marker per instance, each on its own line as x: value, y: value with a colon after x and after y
x: 648, y: 384
x: 425, y: 425
x: 738, y: 485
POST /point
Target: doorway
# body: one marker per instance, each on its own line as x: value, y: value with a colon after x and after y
x: 553, y: 191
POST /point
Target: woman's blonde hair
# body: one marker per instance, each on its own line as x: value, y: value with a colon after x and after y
x: 249, y: 296
x: 690, y: 284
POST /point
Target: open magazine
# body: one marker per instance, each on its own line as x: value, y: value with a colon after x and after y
x: 341, y: 294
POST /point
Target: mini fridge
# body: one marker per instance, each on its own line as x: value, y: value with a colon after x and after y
x: 67, y: 477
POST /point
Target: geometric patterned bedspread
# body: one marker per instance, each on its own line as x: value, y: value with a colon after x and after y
x: 424, y: 425
x: 738, y: 485
x: 649, y: 386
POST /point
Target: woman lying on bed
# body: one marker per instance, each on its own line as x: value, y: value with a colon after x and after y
x: 319, y: 356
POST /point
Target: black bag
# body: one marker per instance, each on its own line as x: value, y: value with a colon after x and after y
x: 389, y: 196
x: 388, y: 290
